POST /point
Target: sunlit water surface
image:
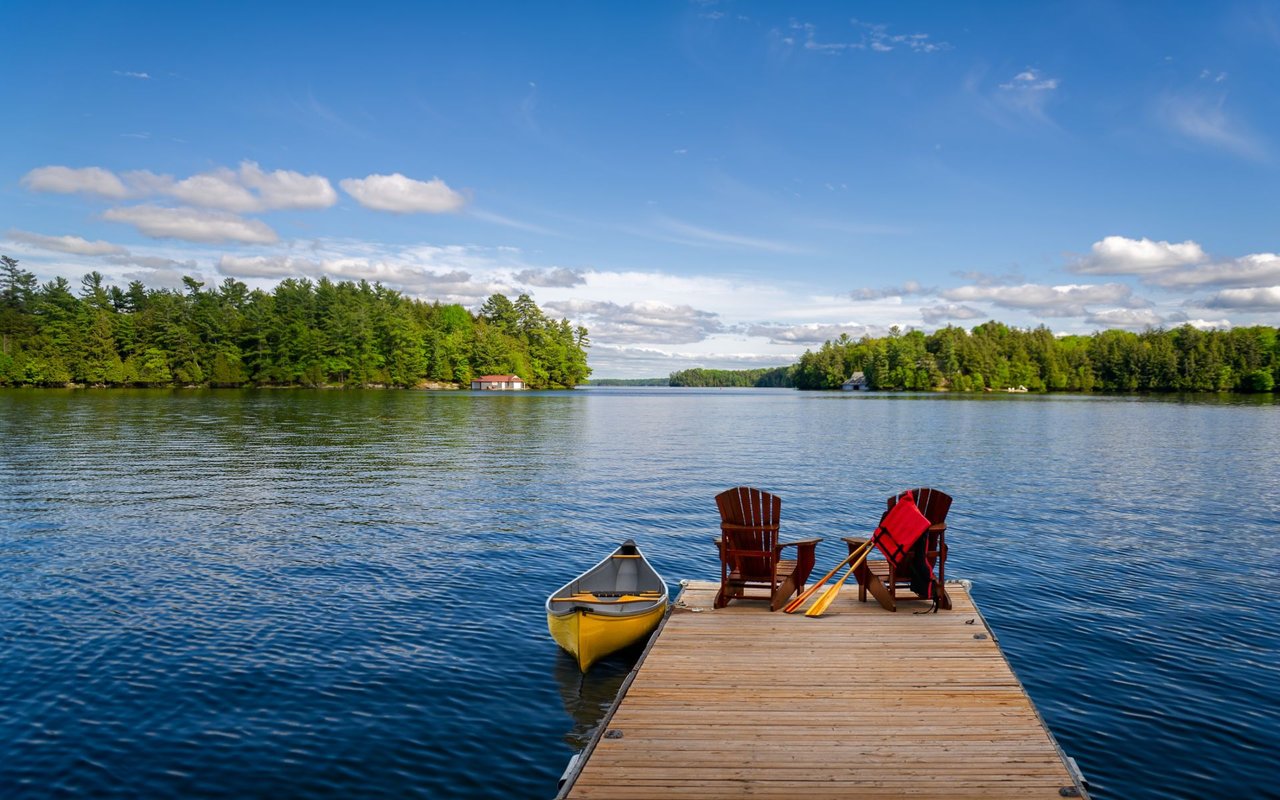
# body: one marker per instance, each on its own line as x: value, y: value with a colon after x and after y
x: 295, y: 593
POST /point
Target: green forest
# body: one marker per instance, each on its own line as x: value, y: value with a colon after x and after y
x: 301, y: 333
x: 774, y: 377
x: 993, y: 356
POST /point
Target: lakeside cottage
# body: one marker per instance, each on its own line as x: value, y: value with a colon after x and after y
x: 857, y: 383
x: 497, y: 382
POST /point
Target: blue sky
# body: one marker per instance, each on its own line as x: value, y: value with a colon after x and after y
x: 718, y: 184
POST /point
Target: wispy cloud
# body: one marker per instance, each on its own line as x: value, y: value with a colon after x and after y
x: 508, y: 222
x: 1202, y: 117
x: 706, y: 237
x: 67, y: 244
x: 1028, y: 92
x: 867, y: 36
x: 1030, y: 80
x: 192, y: 224
x: 139, y: 75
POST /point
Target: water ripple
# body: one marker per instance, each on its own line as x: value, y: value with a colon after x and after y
x: 339, y: 593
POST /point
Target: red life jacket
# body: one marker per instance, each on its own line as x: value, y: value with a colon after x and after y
x: 901, y: 539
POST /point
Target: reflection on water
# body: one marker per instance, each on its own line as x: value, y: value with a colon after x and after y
x: 587, y: 696
x: 339, y: 592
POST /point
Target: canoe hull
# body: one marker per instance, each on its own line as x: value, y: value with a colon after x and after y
x: 589, y: 637
x: 616, y: 603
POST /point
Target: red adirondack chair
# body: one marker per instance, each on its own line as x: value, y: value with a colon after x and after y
x: 934, y: 505
x: 750, y: 553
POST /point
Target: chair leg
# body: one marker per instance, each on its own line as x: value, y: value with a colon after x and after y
x: 883, y: 595
x: 783, y: 593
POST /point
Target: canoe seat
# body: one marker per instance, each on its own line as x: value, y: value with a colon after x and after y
x: 750, y: 553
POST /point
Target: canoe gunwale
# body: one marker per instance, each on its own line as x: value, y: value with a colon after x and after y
x: 605, y: 608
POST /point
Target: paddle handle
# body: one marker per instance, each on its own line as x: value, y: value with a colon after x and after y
x: 794, y: 605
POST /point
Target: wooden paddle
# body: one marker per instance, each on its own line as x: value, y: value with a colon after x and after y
x: 829, y: 596
x: 794, y: 605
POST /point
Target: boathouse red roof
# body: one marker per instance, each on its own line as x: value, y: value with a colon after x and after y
x: 499, y: 378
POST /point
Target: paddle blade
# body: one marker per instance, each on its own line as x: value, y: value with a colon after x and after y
x: 794, y: 605
x: 824, y: 602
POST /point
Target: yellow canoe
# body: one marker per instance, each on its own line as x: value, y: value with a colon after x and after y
x: 616, y: 603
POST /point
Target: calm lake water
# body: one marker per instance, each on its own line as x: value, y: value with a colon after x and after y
x: 339, y: 593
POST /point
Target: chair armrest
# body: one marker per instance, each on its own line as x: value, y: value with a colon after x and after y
x: 937, y: 527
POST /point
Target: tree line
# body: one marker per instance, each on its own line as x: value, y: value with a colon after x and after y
x: 300, y: 333
x: 773, y: 377
x: 994, y: 356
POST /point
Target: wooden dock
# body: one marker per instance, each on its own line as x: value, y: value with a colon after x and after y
x: 741, y: 702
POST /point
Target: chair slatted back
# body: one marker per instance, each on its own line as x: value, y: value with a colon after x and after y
x: 752, y: 551
x: 931, y: 502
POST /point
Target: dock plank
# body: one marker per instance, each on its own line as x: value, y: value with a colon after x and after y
x: 741, y: 702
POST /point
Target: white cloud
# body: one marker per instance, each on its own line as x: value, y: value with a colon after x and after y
x: 284, y: 189
x: 1030, y: 80
x: 452, y: 286
x: 907, y: 288
x: 67, y: 244
x: 245, y: 190
x: 218, y: 189
x: 1118, y: 255
x: 644, y: 321
x: 1129, y: 318
x: 402, y: 195
x: 558, y: 277
x: 166, y: 278
x: 139, y: 75
x: 192, y: 225
x: 932, y: 315
x: 68, y: 180
x: 1053, y: 301
x: 811, y: 334
x: 1172, y: 266
x: 621, y: 361
x: 265, y: 266
x: 1263, y: 298
x: 1203, y: 324
x: 1258, y: 269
